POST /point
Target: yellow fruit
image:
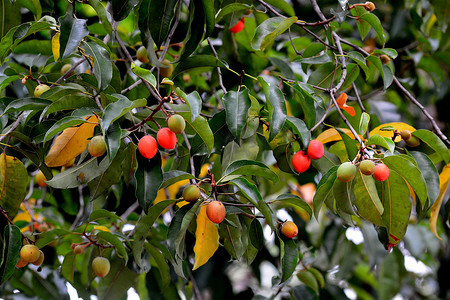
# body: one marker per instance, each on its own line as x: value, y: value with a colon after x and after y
x: 40, y: 259
x: 29, y: 253
x: 40, y: 89
x: 166, y: 72
x: 100, y: 266
x: 412, y: 141
x: 141, y: 54
x: 66, y: 68
x: 289, y: 229
x: 40, y: 179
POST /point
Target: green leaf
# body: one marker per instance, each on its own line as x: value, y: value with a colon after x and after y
x: 289, y: 258
x: 115, y: 241
x: 283, y: 155
x: 160, y: 15
x: 327, y: 161
x: 388, y: 51
x: 360, y: 60
x: 434, y: 142
x: 197, y: 61
x: 6, y: 80
x: 102, y: 64
x: 102, y: 214
x: 309, y: 279
x: 268, y: 30
x: 73, y: 31
x: 174, y: 176
x: 283, y: 5
x: 10, y: 16
x: 299, y: 128
x: 384, y: 142
x: 117, y: 109
x: 144, y: 74
x: 315, y: 60
x: 236, y: 108
x: 256, y: 234
x: 232, y: 236
x: 276, y: 104
x: 376, y: 25
x: 324, y: 75
x: 112, y: 138
x: 13, y: 183
x: 363, y: 26
x: 364, y: 123
x: 68, y: 266
x: 324, y: 190
x: 193, y: 100
x: 145, y: 23
x: 250, y: 168
x: 307, y: 103
x: 196, y: 29
x: 11, y: 242
x: 294, y: 200
x: 122, y: 8
x: 403, y: 166
x: 118, y: 281
x: 391, y: 272
x: 62, y: 124
x: 429, y: 173
x: 161, y: 262
x: 210, y: 12
x: 24, y: 104
x: 230, y: 8
x: 351, y: 145
x: 367, y: 200
x: 344, y: 196
x: 385, y: 72
x: 68, y: 102
x: 352, y: 75
x: 102, y: 15
x: 129, y: 163
x: 71, y: 177
x: 149, y: 178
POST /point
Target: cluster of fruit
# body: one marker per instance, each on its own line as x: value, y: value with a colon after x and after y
x: 215, y: 210
x: 30, y: 254
x: 301, y: 160
x: 347, y: 171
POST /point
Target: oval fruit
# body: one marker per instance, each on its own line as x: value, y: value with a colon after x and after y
x: 191, y: 193
x: 289, y: 229
x: 100, y: 266
x: 167, y: 71
x: 301, y: 162
x: 97, y: 146
x: 141, y: 55
x: 367, y: 167
x: 40, y: 179
x: 216, y: 211
x: 29, y: 253
x: 412, y: 141
x: 405, y: 134
x: 315, y: 149
x: 381, y: 172
x: 147, y: 146
x: 40, y: 259
x: 65, y: 69
x: 40, y: 89
x: 166, y: 138
x: 346, y: 172
x: 176, y: 124
x: 238, y: 27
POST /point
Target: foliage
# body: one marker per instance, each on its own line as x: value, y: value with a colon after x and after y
x: 351, y: 79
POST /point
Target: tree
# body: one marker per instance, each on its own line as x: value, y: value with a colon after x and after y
x: 294, y: 125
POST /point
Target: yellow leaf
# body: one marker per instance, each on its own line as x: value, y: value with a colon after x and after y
x: 399, y: 126
x: 331, y: 135
x: 13, y: 183
x: 55, y: 46
x: 70, y: 143
x: 206, y: 239
x: 102, y: 228
x: 445, y: 180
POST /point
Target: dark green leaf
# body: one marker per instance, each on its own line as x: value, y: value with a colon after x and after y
x: 256, y: 234
x: 376, y: 25
x: 324, y: 190
x: 232, y: 236
x: 24, y: 104
x: 236, y: 108
x: 344, y: 196
x: 118, y: 281
x: 352, y: 75
x: 102, y: 214
x: 62, y: 124
x: 429, y: 173
x: 145, y: 23
x: 174, y: 176
x: 294, y: 200
x: 230, y: 8
x: 122, y: 8
x: 277, y: 107
x: 309, y: 279
x: 434, y: 142
x: 115, y: 241
x: 102, y: 15
x: 196, y: 29
x: 360, y: 60
x: 120, y: 107
x: 160, y: 15
x: 197, y: 61
x: 11, y: 242
x: 249, y: 167
x: 268, y: 30
x: 299, y: 128
x: 6, y: 80
x: 144, y: 74
x: 351, y: 145
x: 102, y: 64
x: 367, y: 200
x: 68, y: 266
x: 68, y: 102
x: 210, y: 12
x: 149, y: 178
x: 10, y: 16
x: 112, y: 139
x: 73, y: 31
x: 315, y: 60
x: 289, y: 258
x: 161, y: 262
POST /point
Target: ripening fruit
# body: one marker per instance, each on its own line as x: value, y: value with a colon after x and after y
x: 384, y: 59
x: 191, y: 193
x: 40, y: 259
x: 29, y: 253
x: 40, y: 179
x: 78, y: 249
x: 100, y: 266
x: 238, y: 27
x: 315, y: 149
x: 381, y: 172
x: 166, y: 72
x: 66, y: 68
x: 21, y: 263
x: 42, y: 227
x: 412, y: 141
x: 176, y: 124
x: 289, y: 229
x: 346, y: 172
x: 216, y: 211
x: 97, y: 146
x: 405, y: 134
x: 147, y: 146
x: 40, y: 89
x: 141, y: 54
x: 166, y: 138
x: 367, y: 167
x: 301, y: 162
x: 369, y: 6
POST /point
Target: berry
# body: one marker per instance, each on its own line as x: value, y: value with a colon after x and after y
x: 315, y: 149
x: 412, y: 141
x: 42, y: 227
x: 191, y: 193
x: 405, y: 134
x: 301, y: 162
x: 289, y: 229
x: 176, y: 124
x: 166, y: 138
x: 346, y: 172
x: 381, y: 172
x: 40, y: 259
x: 29, y: 253
x: 78, y: 249
x: 21, y: 263
x: 216, y: 211
x: 167, y: 71
x: 238, y: 27
x: 367, y: 167
x: 97, y: 146
x: 385, y: 59
x: 369, y: 6
x: 66, y: 68
x: 141, y: 54
x: 100, y: 266
x: 147, y: 146
x: 40, y: 89
x: 40, y: 179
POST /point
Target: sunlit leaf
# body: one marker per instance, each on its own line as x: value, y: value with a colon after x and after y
x: 13, y: 183
x: 206, y: 239
x: 445, y: 181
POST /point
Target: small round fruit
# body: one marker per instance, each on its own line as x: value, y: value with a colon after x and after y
x: 147, y: 146
x: 238, y: 27
x: 405, y: 134
x: 167, y: 71
x: 97, y: 146
x: 381, y: 172
x: 29, y: 253
x: 346, y: 172
x: 141, y: 54
x: 384, y: 59
x: 216, y: 211
x: 176, y: 124
x: 65, y: 69
x: 78, y: 249
x: 289, y: 229
x: 166, y: 138
x: 412, y: 141
x: 367, y: 167
x: 191, y: 193
x: 43, y: 227
x: 40, y: 259
x: 301, y: 162
x: 100, y: 266
x: 40, y: 89
x: 21, y: 263
x: 315, y: 149
x: 369, y: 6
x: 40, y: 179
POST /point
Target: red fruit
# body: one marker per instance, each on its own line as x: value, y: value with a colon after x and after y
x: 289, y: 229
x: 238, y: 27
x: 381, y: 172
x: 301, y: 162
x: 147, y: 146
x: 166, y: 138
x: 216, y: 211
x: 315, y: 149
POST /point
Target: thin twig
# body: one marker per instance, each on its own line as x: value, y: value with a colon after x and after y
x: 13, y: 126
x: 68, y: 72
x: 130, y: 209
x: 219, y: 71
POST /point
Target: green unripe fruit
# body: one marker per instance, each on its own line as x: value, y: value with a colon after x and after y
x: 141, y: 54
x: 40, y: 89
x: 100, y: 266
x: 367, y: 167
x: 405, y: 134
x: 176, y: 123
x: 166, y: 72
x: 97, y: 146
x: 65, y: 69
x: 78, y: 249
x: 412, y: 141
x: 346, y: 172
x: 191, y: 193
x: 29, y: 253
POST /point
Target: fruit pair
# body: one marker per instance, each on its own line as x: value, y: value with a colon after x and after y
x: 148, y: 146
x: 409, y: 139
x: 302, y: 161
x: 30, y: 254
